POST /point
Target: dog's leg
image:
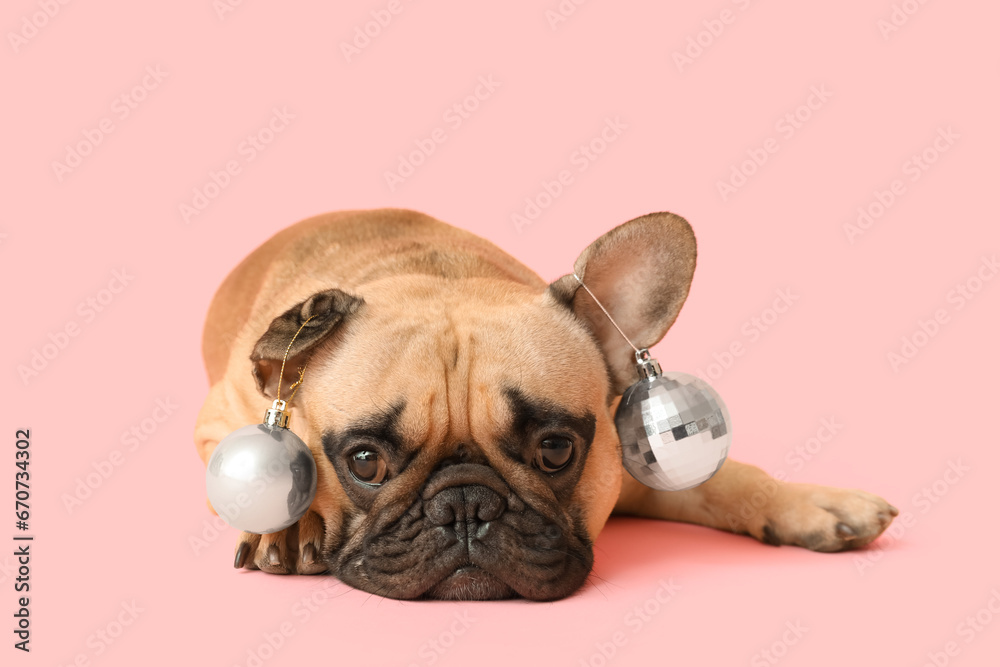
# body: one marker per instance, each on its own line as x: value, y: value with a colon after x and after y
x: 295, y: 550
x: 744, y: 499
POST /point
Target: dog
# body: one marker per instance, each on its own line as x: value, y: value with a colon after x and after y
x: 460, y: 410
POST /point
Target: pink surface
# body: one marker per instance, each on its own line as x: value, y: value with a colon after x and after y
x: 879, y: 98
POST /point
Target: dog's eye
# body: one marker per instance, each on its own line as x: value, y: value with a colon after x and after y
x: 554, y: 454
x: 367, y: 467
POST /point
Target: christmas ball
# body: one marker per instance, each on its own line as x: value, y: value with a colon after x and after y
x: 261, y: 479
x: 674, y: 430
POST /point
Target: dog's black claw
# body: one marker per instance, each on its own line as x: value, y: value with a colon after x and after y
x: 241, y: 555
x: 309, y: 554
x: 274, y: 555
x: 845, y: 531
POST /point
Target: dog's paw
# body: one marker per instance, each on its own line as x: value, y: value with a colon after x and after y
x: 295, y: 550
x: 824, y: 518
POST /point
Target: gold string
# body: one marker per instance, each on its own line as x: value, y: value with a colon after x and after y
x: 302, y: 369
x: 295, y: 387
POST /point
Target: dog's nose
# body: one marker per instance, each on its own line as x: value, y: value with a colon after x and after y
x: 472, y: 505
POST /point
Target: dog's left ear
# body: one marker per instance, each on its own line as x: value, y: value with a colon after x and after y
x: 641, y: 272
x: 327, y: 309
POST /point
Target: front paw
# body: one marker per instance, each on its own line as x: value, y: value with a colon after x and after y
x: 295, y: 550
x: 823, y: 518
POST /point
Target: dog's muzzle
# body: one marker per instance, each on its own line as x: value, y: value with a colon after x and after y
x: 461, y: 501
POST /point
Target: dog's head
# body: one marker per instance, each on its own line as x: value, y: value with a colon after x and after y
x: 462, y: 427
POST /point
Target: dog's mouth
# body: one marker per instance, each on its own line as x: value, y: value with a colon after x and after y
x: 432, y: 563
x: 463, y: 541
x: 470, y: 582
x: 491, y: 570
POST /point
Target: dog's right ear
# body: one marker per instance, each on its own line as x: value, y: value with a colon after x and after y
x: 641, y: 272
x: 328, y: 309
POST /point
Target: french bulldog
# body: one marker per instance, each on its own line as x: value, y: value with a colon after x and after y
x: 460, y: 410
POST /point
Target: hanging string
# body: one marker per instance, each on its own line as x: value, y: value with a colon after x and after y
x: 302, y: 369
x: 638, y: 352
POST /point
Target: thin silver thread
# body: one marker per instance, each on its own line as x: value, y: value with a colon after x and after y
x: 637, y: 350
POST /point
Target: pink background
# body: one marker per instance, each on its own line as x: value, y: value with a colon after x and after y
x: 826, y: 357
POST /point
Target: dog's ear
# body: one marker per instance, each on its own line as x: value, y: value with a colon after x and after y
x: 641, y: 272
x: 328, y: 309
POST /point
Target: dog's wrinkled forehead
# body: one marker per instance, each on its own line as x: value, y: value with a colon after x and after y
x: 445, y: 365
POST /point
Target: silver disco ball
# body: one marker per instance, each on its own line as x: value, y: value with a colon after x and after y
x: 674, y: 429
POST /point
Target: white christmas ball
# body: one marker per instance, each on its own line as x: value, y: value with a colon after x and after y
x: 261, y: 479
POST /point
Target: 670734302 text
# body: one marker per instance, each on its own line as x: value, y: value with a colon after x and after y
x: 22, y: 543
